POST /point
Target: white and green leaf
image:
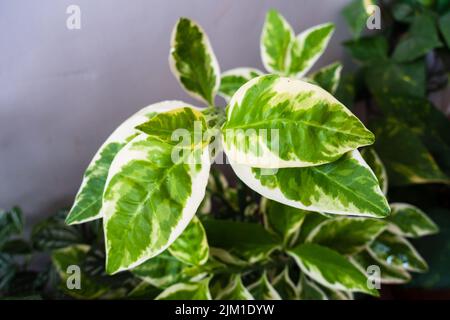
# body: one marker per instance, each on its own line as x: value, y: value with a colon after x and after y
x: 233, y: 79
x: 187, y: 291
x: 347, y: 186
x: 235, y: 290
x: 328, y: 77
x: 193, y: 62
x: 276, y: 122
x: 284, y: 285
x: 377, y: 166
x: 263, y: 290
x: 409, y: 221
x: 330, y: 269
x: 308, y: 290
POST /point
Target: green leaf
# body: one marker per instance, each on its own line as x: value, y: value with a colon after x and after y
x: 248, y: 241
x: 330, y: 269
x: 88, y: 201
x: 144, y: 290
x: 275, y: 122
x: 307, y: 48
x: 388, y: 275
x: 394, y: 141
x: 395, y: 251
x: 276, y: 39
x: 347, y: 235
x: 308, y: 290
x: 377, y: 166
x: 346, y: 186
x: 8, y: 269
x: 235, y: 290
x: 263, y: 290
x: 444, y: 25
x: 150, y: 196
x: 187, y: 291
x: 193, y: 62
x: 371, y: 49
x: 356, y: 14
x: 283, y: 284
x: 191, y: 246
x: 285, y: 221
x: 233, y: 79
x: 328, y: 77
x: 11, y: 223
x: 409, y: 221
x: 420, y: 39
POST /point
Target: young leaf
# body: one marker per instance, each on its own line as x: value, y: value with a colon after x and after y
x: 276, y: 122
x: 347, y: 235
x: 187, y: 291
x: 263, y: 290
x: 308, y: 290
x: 88, y: 200
x: 235, y: 290
x: 193, y: 62
x: 330, y: 269
x: 285, y: 221
x: 388, y: 275
x: 420, y: 39
x: 346, y: 186
x: 283, y: 284
x: 150, y: 196
x: 409, y: 221
x: 191, y: 246
x: 233, y: 79
x: 276, y: 39
x: 328, y: 77
x: 377, y: 166
x: 307, y: 48
x: 395, y: 251
x: 248, y: 241
x: 356, y: 14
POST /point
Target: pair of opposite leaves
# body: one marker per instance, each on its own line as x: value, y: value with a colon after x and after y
x: 147, y: 200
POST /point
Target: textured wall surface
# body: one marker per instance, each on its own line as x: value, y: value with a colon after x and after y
x: 63, y: 91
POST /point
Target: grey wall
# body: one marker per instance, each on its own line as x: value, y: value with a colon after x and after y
x: 63, y: 91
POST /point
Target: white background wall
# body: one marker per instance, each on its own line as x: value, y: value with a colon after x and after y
x: 63, y: 91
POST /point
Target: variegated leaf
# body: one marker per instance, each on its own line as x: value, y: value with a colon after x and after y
x: 88, y: 200
x: 276, y: 41
x: 235, y: 290
x: 330, y: 269
x: 191, y: 246
x: 377, y: 166
x: 409, y: 221
x: 233, y: 79
x: 395, y: 251
x: 150, y: 197
x: 263, y: 290
x: 308, y: 290
x: 307, y: 48
x: 347, y: 235
x: 284, y: 285
x: 346, y: 186
x: 193, y: 62
x: 187, y: 291
x: 328, y: 77
x: 276, y: 122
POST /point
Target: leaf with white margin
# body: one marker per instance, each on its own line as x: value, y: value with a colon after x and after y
x: 277, y: 122
x: 263, y: 290
x: 388, y: 275
x: 409, y: 221
x: 150, y: 199
x: 330, y: 269
x: 276, y: 40
x: 283, y: 284
x: 88, y: 201
x: 347, y: 235
x: 346, y: 186
x: 337, y: 294
x: 235, y: 290
x: 191, y: 246
x: 193, y: 62
x: 187, y: 291
x: 377, y: 166
x: 285, y: 221
x: 395, y: 251
x: 308, y: 290
x: 233, y: 79
x: 307, y: 48
x: 328, y: 77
